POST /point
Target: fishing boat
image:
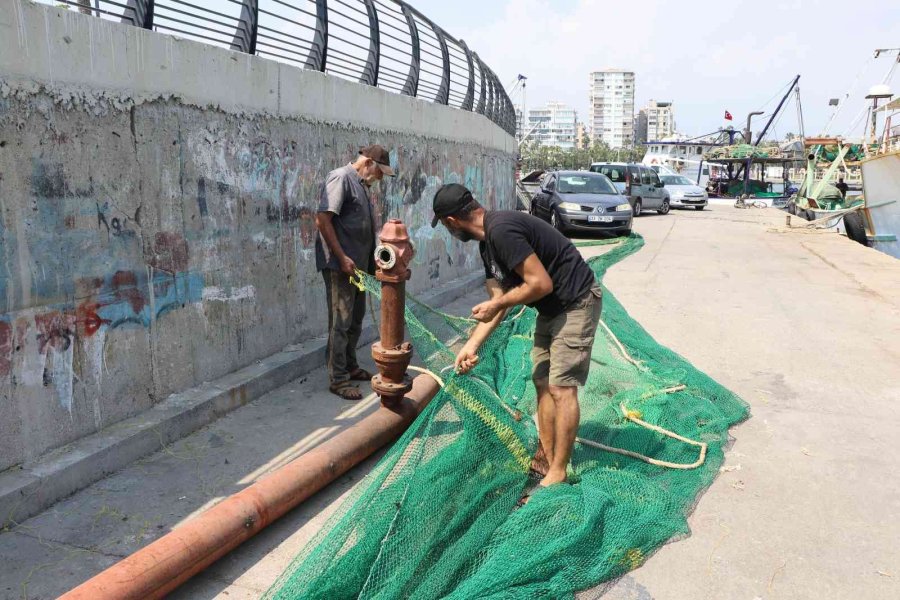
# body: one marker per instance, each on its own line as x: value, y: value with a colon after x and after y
x: 881, y: 188
x: 744, y: 171
x: 871, y: 218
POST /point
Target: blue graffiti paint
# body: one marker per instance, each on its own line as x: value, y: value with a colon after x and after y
x: 474, y: 180
x: 133, y: 304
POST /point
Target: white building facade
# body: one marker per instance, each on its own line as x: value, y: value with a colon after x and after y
x: 552, y: 125
x: 611, y: 108
x: 660, y: 120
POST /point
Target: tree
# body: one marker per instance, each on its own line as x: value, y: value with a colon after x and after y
x: 536, y: 156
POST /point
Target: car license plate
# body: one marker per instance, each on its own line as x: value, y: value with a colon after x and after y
x: 598, y: 219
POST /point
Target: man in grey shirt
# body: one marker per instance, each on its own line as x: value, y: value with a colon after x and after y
x: 346, y: 242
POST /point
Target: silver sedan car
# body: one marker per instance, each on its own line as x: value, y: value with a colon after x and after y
x: 683, y: 192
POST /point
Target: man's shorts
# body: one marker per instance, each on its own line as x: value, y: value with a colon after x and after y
x: 562, y: 344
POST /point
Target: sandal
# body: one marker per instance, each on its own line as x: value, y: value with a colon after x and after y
x: 539, y: 465
x: 360, y: 374
x: 345, y: 390
x: 535, y: 474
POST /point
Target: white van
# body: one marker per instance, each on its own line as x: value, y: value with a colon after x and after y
x: 641, y: 184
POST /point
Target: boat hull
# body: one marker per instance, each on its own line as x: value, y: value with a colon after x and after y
x: 881, y: 188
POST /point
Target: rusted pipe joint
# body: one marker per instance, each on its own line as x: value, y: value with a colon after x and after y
x: 393, y: 255
x: 392, y: 383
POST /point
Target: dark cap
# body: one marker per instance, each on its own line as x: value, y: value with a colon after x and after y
x: 380, y: 156
x: 448, y: 200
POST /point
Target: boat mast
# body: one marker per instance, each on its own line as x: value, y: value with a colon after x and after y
x: 777, y: 110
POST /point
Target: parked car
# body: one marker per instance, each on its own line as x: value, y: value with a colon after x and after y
x: 683, y: 192
x: 640, y: 184
x: 582, y: 201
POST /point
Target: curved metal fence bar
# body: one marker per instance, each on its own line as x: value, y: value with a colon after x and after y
x: 318, y: 54
x: 411, y: 88
x: 482, y: 87
x: 370, y: 73
x: 470, y: 86
x: 383, y: 43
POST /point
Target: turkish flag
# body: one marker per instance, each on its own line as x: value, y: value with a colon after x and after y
x: 728, y: 116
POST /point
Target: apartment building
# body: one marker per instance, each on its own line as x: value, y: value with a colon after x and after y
x: 611, y: 108
x: 553, y: 124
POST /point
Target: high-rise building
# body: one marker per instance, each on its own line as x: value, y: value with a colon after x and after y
x: 640, y: 127
x: 552, y: 125
x: 611, y: 109
x: 660, y: 119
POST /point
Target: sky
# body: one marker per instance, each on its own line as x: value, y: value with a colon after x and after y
x: 706, y: 57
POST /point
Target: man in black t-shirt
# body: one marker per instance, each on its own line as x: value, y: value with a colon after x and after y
x: 842, y: 187
x: 526, y: 261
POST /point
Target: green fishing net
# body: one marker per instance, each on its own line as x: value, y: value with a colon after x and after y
x: 437, y: 517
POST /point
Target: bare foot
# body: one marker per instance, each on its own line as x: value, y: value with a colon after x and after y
x: 552, y: 478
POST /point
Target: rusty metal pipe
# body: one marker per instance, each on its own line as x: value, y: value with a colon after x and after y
x: 393, y: 301
x: 158, y: 569
x: 391, y: 354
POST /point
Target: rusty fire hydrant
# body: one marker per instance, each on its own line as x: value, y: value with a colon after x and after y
x: 391, y: 353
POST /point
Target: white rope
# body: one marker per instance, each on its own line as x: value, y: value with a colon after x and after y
x: 632, y: 416
x: 628, y: 414
x: 434, y: 375
x: 622, y: 349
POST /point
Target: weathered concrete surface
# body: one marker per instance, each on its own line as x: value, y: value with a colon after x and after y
x: 82, y: 535
x: 806, y: 328
x: 156, y: 212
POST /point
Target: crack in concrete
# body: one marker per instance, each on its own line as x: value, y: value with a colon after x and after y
x: 661, y: 244
x: 848, y: 275
x: 45, y: 540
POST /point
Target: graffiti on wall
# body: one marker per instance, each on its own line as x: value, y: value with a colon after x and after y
x: 88, y: 260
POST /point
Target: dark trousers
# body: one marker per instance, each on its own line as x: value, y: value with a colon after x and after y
x: 346, y: 310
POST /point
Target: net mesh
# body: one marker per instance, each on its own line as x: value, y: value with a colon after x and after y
x: 437, y: 517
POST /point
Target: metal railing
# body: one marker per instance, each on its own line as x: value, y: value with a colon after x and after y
x: 383, y: 43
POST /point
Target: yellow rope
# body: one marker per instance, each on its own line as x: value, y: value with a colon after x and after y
x: 358, y: 282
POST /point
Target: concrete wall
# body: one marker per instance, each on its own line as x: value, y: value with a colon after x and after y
x: 156, y: 211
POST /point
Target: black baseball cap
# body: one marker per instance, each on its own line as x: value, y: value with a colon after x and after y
x: 380, y: 156
x: 448, y: 200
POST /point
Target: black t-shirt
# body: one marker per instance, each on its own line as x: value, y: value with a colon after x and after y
x: 511, y: 237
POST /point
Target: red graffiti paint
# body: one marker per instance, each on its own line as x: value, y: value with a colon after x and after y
x: 125, y: 288
x: 55, y: 330
x: 170, y: 252
x: 89, y: 322
x: 6, y: 347
x: 308, y: 229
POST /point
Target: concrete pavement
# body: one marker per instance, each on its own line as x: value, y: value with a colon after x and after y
x: 804, y: 326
